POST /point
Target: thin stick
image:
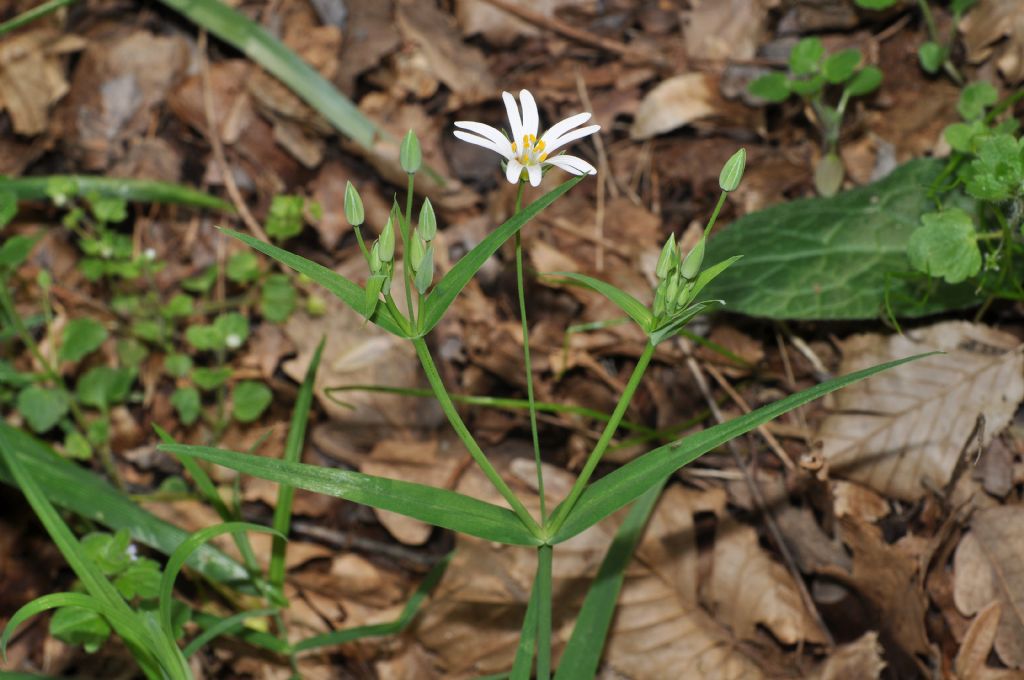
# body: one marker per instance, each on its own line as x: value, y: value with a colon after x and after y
x: 762, y: 506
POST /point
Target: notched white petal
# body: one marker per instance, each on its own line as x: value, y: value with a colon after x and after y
x: 514, y: 121
x: 572, y: 136
x: 573, y: 164
x: 531, y: 120
x: 563, y: 126
x: 536, y: 175
x: 513, y: 171
x: 479, y: 141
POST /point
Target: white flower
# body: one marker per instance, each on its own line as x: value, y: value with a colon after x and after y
x: 233, y: 341
x: 149, y: 254
x: 525, y: 151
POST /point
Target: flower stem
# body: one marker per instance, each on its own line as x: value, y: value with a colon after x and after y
x: 562, y: 511
x: 437, y: 385
x: 544, y: 564
x: 520, y: 291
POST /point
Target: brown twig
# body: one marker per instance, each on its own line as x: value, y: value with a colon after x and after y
x: 567, y: 30
x: 762, y: 506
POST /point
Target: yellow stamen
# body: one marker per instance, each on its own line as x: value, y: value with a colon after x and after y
x: 514, y: 148
x: 543, y: 157
x: 540, y: 145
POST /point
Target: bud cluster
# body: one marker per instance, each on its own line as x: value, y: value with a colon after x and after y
x: 676, y: 277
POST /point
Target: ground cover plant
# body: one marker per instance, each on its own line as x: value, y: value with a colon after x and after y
x: 476, y: 339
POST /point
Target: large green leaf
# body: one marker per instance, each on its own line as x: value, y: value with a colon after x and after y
x: 455, y: 280
x: 255, y: 42
x: 439, y: 507
x: 138, y: 190
x: 630, y: 481
x: 80, y: 491
x: 833, y: 258
x: 346, y: 291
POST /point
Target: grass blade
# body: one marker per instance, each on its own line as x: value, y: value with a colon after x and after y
x: 340, y: 637
x: 292, y: 454
x: 224, y: 626
x: 583, y: 653
x: 78, y: 490
x: 439, y: 507
x: 135, y: 190
x: 256, y: 43
x: 458, y: 276
x: 630, y: 481
x: 31, y: 15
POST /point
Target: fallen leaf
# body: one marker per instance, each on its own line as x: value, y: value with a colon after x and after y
x: 901, y: 432
x: 989, y: 23
x: 32, y: 76
x: 977, y: 645
x: 673, y: 103
x: 500, y: 28
x: 987, y: 568
x: 724, y: 29
x: 857, y: 660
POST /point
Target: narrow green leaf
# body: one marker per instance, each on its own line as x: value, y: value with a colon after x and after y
x: 340, y: 637
x: 292, y: 454
x: 181, y: 554
x: 258, y: 44
x: 633, y: 308
x: 522, y: 666
x: 345, y: 290
x: 455, y: 280
x: 82, y: 492
x: 582, y: 654
x: 224, y: 626
x: 630, y: 481
x: 135, y: 190
x: 439, y: 507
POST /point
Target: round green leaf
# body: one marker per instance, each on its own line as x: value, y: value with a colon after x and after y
x: 77, y: 626
x: 931, y: 56
x: 208, y: 379
x: 177, y: 365
x: 805, y: 57
x: 251, y: 398
x: 828, y: 175
x: 975, y: 98
x: 42, y: 407
x: 81, y: 338
x: 807, y: 87
x: 772, y: 87
x: 102, y: 386
x: 945, y: 246
x: 865, y: 82
x: 277, y: 298
x: 233, y: 327
x: 205, y: 338
x: 839, y: 67
x: 185, y: 401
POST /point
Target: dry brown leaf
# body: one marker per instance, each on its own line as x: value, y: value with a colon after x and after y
x: 32, y: 76
x: 977, y: 645
x: 724, y: 29
x: 986, y: 25
x: 673, y: 103
x: 500, y: 28
x: 857, y: 660
x: 888, y: 576
x: 849, y: 498
x: 989, y: 566
x: 901, y: 432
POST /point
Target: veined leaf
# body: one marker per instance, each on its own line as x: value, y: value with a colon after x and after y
x: 455, y: 280
x: 635, y: 309
x: 630, y: 481
x: 346, y: 291
x: 439, y: 507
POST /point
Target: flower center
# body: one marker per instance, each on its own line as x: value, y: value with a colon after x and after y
x: 532, y: 152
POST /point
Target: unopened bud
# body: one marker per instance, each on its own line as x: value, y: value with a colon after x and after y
x: 694, y: 259
x: 387, y: 242
x: 428, y: 221
x: 353, y: 206
x: 375, y: 262
x: 410, y: 155
x: 732, y: 171
x: 416, y: 250
x: 425, y: 271
x: 667, y: 259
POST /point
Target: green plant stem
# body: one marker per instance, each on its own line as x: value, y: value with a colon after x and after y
x: 544, y: 568
x: 929, y: 21
x: 437, y: 385
x: 521, y: 292
x: 562, y: 511
x: 406, y: 229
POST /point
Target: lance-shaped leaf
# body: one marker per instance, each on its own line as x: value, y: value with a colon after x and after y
x: 348, y: 292
x: 439, y: 507
x: 630, y: 481
x: 635, y: 309
x: 136, y: 190
x: 455, y: 280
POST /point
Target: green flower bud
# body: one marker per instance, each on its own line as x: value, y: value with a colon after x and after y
x: 667, y: 259
x: 428, y: 221
x: 375, y: 262
x: 693, y: 261
x: 410, y: 155
x: 316, y: 305
x: 659, y: 299
x: 353, y: 206
x: 425, y: 271
x: 732, y: 171
x: 416, y: 250
x: 685, y: 294
x: 671, y: 291
x: 387, y: 242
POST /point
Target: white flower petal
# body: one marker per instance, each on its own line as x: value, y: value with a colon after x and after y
x: 530, y: 118
x: 514, y: 121
x: 499, y: 141
x: 480, y: 141
x: 572, y: 164
x: 563, y: 126
x: 513, y: 171
x: 535, y: 173
x: 559, y: 142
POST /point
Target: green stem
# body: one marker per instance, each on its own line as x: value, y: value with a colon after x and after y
x: 544, y: 564
x: 33, y: 14
x: 561, y: 513
x: 521, y: 292
x: 436, y: 384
